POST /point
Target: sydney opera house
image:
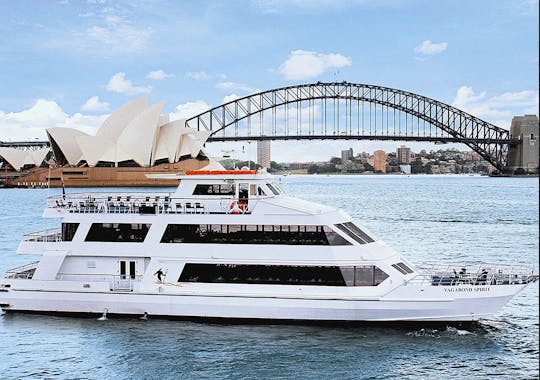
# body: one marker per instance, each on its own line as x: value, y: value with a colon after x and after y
x: 133, y: 141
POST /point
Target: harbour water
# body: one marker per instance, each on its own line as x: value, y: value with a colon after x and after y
x: 427, y: 218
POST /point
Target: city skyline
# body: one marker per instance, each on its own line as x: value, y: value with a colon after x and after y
x: 82, y: 60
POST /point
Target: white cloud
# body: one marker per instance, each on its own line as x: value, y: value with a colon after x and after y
x: 158, y: 75
x: 94, y: 104
x: 430, y: 48
x: 499, y: 109
x: 198, y: 75
x: 230, y: 98
x: 116, y: 35
x: 189, y: 109
x: 118, y: 83
x: 303, y: 64
x: 31, y: 123
x: 232, y: 86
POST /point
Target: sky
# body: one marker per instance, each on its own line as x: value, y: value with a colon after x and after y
x: 69, y: 63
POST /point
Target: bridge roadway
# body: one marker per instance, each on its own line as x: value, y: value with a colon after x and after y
x: 346, y: 111
x: 442, y: 140
x: 23, y: 144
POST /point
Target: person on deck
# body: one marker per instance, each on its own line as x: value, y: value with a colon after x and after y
x: 159, y: 275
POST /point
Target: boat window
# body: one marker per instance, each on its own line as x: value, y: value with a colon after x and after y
x: 273, y: 189
x: 243, y: 193
x: 68, y: 231
x: 252, y: 189
x: 216, y: 189
x: 363, y: 275
x: 260, y: 191
x: 252, y: 234
x: 117, y: 232
x: 262, y: 274
x: 401, y: 267
x: 354, y: 232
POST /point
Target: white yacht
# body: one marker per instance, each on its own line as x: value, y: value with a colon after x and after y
x: 231, y: 244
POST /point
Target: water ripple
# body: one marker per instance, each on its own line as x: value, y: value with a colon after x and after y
x: 428, y: 218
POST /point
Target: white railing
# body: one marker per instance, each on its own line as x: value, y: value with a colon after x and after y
x: 123, y: 203
x: 472, y: 274
x: 23, y: 272
x: 50, y: 235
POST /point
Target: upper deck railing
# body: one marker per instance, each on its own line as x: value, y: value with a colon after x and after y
x: 50, y: 235
x: 152, y: 203
x: 23, y: 272
x: 454, y: 274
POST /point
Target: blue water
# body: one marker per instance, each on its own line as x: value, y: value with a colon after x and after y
x: 427, y: 218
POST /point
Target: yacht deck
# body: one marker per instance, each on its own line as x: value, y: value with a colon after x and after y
x: 149, y: 203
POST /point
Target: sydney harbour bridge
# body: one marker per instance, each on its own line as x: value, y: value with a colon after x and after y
x: 351, y: 111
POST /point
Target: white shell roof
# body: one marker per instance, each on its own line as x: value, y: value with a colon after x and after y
x: 114, y: 125
x: 135, y: 131
x: 17, y: 158
x: 66, y: 139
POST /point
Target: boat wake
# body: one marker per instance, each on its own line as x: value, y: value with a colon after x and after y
x: 450, y: 331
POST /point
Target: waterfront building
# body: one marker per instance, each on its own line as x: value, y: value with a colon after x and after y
x: 298, y: 165
x: 263, y: 153
x: 135, y: 135
x: 133, y: 142
x: 379, y: 161
x: 403, y: 155
x: 347, y: 155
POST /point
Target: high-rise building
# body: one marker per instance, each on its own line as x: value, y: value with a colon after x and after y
x: 263, y: 153
x: 346, y: 155
x: 379, y: 161
x: 403, y: 155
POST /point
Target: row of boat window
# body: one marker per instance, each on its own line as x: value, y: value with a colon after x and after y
x: 222, y: 233
x: 230, y: 189
x: 252, y: 234
x: 363, y: 275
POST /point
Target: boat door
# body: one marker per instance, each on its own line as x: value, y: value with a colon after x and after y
x: 127, y: 269
x: 243, y: 195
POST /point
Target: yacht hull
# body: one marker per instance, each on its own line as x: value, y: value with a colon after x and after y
x: 256, y: 307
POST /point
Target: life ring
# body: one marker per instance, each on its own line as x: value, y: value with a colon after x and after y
x: 236, y: 208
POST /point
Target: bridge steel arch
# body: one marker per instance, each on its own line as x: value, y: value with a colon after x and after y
x: 255, y: 117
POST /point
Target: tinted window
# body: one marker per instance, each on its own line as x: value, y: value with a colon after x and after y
x: 262, y: 274
x: 272, y: 188
x: 252, y: 234
x: 355, y: 233
x: 218, y: 189
x: 401, y: 267
x: 363, y: 275
x: 117, y: 232
x: 68, y: 231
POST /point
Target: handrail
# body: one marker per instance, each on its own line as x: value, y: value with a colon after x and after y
x: 49, y: 235
x: 156, y: 204
x: 24, y: 271
x: 454, y: 274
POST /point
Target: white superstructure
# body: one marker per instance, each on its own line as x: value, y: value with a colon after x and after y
x: 231, y: 244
